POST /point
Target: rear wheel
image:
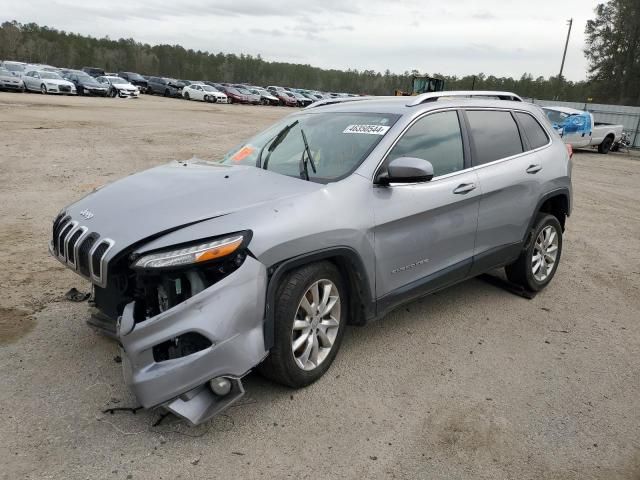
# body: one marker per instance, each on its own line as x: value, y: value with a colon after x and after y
x: 537, y: 264
x: 310, y: 316
x: 605, y: 146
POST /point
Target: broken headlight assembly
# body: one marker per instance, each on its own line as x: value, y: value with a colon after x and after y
x: 168, y: 277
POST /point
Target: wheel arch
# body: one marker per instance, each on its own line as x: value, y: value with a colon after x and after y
x: 352, y: 269
x: 556, y: 203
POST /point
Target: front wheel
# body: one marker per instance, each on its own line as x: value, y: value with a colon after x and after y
x: 113, y: 93
x: 43, y: 89
x: 310, y: 316
x: 537, y: 264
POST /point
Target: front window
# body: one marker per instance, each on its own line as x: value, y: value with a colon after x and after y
x: 117, y: 80
x: 338, y: 143
x: 436, y: 138
x: 50, y: 75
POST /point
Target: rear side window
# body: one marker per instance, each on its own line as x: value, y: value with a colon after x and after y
x: 536, y: 136
x: 495, y: 135
x: 436, y: 138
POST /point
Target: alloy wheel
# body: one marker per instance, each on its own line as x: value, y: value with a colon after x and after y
x: 545, y: 252
x: 316, y: 324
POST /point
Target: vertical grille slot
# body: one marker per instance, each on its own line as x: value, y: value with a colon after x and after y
x: 72, y: 244
x: 83, y: 253
x: 96, y: 259
x: 63, y: 235
x: 57, y: 226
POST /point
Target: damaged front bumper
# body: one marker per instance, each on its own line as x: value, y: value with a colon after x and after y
x: 228, y: 317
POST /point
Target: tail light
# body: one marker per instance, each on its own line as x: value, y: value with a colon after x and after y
x: 570, y: 150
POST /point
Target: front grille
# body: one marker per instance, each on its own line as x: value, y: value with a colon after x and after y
x: 80, y: 249
x: 64, y: 88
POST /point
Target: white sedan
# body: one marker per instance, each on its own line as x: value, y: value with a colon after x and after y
x: 47, y: 82
x: 203, y: 93
x: 119, y: 87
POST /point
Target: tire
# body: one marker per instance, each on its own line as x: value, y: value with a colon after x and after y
x: 207, y: 99
x: 167, y: 93
x: 149, y: 91
x: 187, y: 96
x: 605, y: 146
x: 523, y: 271
x: 113, y: 93
x: 43, y: 89
x: 319, y: 341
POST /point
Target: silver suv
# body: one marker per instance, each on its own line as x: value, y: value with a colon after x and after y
x: 335, y: 215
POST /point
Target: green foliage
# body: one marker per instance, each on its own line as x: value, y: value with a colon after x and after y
x: 33, y: 43
x: 613, y: 51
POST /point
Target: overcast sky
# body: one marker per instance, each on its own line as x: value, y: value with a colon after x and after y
x: 507, y: 37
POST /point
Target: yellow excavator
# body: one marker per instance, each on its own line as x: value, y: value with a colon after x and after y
x: 422, y: 84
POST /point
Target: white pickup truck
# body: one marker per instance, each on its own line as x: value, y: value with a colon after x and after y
x: 577, y: 128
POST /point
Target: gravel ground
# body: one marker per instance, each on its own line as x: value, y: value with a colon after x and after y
x: 472, y: 382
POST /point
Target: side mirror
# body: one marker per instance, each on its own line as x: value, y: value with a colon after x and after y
x: 407, y: 170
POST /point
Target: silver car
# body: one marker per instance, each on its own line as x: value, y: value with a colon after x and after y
x: 335, y: 215
x: 10, y: 81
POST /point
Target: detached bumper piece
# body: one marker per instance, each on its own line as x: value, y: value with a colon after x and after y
x: 201, y: 404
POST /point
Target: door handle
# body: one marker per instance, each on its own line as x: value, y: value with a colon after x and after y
x: 465, y: 188
x: 534, y: 168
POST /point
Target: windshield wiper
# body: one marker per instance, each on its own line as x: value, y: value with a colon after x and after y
x: 309, y: 157
x: 273, y: 144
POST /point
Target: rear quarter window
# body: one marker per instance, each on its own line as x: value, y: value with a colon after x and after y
x: 533, y: 131
x: 494, y: 135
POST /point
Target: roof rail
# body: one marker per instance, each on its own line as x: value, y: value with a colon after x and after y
x: 331, y: 101
x: 434, y: 96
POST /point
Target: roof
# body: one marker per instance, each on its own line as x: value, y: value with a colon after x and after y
x: 405, y: 105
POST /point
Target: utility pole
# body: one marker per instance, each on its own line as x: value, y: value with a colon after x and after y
x: 564, y: 55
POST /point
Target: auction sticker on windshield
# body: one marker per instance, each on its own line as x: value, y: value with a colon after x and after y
x: 367, y: 129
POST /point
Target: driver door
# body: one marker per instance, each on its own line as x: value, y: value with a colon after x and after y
x: 425, y: 232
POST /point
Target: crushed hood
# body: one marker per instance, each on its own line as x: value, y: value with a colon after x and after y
x: 171, y: 196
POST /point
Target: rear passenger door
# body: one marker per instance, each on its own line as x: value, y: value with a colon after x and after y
x: 508, y: 167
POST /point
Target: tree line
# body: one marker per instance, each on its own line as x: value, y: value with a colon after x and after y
x: 40, y: 44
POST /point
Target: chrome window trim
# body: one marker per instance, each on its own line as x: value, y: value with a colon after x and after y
x: 473, y: 167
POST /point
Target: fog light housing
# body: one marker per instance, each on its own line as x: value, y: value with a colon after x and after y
x: 220, y: 386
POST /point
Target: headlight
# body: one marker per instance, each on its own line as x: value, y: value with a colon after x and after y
x: 194, y: 254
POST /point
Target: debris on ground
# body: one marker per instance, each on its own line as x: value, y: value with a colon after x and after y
x: 74, y: 295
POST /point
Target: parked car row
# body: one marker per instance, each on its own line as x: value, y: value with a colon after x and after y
x: 95, y: 81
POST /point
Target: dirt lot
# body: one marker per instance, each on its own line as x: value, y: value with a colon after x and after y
x: 472, y: 382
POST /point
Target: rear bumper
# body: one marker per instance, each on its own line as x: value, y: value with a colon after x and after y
x: 230, y: 314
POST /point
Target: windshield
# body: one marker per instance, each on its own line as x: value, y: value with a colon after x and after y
x: 83, y: 77
x: 338, y: 142
x: 135, y: 76
x: 117, y: 80
x: 555, y: 116
x: 50, y: 75
x: 208, y: 88
x: 14, y: 67
x: 244, y: 91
